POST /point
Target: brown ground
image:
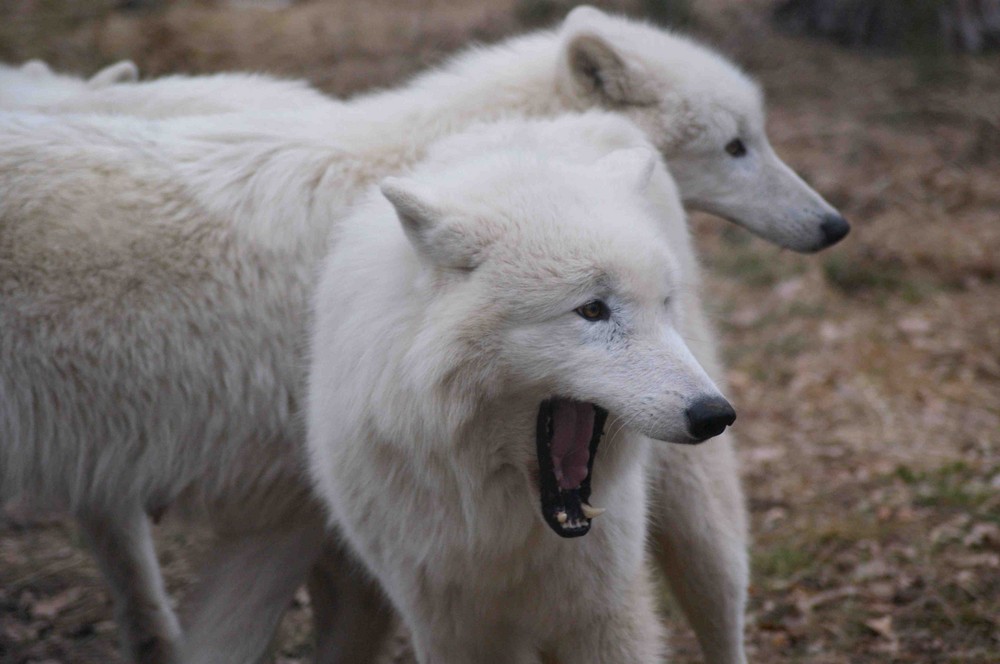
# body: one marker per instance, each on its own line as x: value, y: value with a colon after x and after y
x: 867, y: 378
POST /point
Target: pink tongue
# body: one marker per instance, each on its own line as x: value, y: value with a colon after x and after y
x: 572, y: 429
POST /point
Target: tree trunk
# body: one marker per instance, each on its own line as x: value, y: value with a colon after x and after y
x: 966, y: 25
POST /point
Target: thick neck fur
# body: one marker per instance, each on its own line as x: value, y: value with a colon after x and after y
x: 515, y: 77
x: 291, y: 175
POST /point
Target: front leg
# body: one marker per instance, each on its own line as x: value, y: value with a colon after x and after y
x: 244, y: 590
x: 351, y: 615
x: 122, y: 544
x: 699, y: 536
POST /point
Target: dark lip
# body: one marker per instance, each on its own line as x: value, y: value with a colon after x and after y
x: 717, y: 212
x: 555, y: 500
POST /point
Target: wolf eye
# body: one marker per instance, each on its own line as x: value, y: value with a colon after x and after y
x: 736, y: 148
x: 594, y: 311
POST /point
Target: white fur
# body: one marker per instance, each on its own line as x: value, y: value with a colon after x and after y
x: 435, y: 344
x: 34, y: 85
x: 690, y: 101
x: 115, y: 90
x: 149, y: 347
x: 154, y: 279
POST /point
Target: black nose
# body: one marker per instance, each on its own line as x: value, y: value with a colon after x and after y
x: 835, y: 228
x: 708, y: 417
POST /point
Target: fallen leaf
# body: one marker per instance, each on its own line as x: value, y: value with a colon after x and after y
x: 881, y: 626
x: 874, y: 569
x: 17, y: 632
x: 786, y: 290
x: 978, y: 560
x: 53, y: 606
x: 982, y: 535
x: 808, y: 604
x: 764, y: 454
x: 914, y: 325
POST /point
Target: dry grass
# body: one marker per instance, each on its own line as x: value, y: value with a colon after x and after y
x: 867, y: 378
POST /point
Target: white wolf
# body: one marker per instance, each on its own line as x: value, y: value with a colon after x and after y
x: 472, y: 332
x: 693, y: 104
x: 176, y: 258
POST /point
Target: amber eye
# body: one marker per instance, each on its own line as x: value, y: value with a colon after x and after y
x: 594, y: 310
x: 736, y: 148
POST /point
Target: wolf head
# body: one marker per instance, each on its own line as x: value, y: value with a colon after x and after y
x: 565, y: 275
x: 705, y: 116
x: 554, y: 284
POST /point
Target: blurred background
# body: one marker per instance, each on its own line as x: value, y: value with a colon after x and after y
x: 867, y: 377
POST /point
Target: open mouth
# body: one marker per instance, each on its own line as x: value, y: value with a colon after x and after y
x: 567, y: 438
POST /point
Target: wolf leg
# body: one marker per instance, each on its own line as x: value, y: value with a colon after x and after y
x: 245, y: 589
x: 351, y: 615
x: 699, y: 537
x: 122, y: 543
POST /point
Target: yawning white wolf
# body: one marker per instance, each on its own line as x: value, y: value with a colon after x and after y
x: 475, y: 324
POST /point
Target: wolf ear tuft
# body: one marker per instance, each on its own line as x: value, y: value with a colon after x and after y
x: 124, y: 71
x: 441, y: 241
x: 632, y: 166
x: 583, y: 15
x: 37, y: 68
x: 416, y: 209
x: 599, y: 69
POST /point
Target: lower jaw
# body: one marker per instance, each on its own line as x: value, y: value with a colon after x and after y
x: 566, y: 511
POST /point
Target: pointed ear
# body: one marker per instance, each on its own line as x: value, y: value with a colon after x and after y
x: 424, y: 221
x: 37, y: 68
x: 584, y: 15
x: 417, y: 210
x: 120, y: 72
x: 598, y: 69
x: 632, y: 166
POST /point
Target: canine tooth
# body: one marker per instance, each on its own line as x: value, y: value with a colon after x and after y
x: 561, y: 517
x: 592, y: 512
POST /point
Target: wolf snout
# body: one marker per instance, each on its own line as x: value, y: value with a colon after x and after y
x: 834, y: 228
x: 707, y: 417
